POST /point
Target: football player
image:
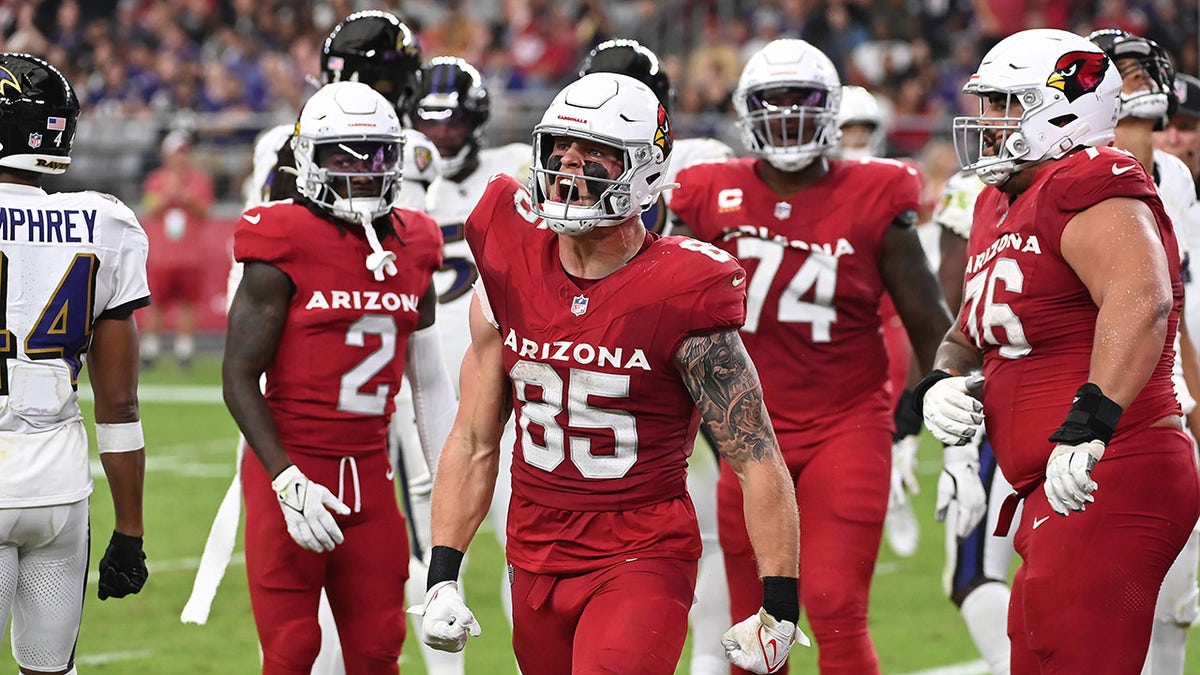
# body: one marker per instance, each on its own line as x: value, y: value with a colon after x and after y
x: 1078, y: 290
x: 822, y: 240
x: 710, y: 614
x: 378, y: 49
x: 332, y: 335
x: 605, y: 338
x: 72, y: 272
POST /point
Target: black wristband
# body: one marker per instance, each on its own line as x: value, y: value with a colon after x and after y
x: 908, y: 420
x: 781, y: 598
x: 918, y: 392
x: 1093, y: 417
x: 444, y: 565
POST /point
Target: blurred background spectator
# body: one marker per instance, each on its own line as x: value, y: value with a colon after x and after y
x: 176, y: 200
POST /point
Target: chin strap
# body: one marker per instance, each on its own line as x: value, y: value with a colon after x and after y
x: 380, y: 262
x: 661, y: 188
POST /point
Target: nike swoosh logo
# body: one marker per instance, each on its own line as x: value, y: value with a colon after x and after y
x: 253, y: 219
x: 737, y: 281
x: 1039, y: 521
x: 1118, y: 171
x: 772, y: 660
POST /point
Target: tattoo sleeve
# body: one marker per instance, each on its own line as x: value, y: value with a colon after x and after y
x: 722, y: 380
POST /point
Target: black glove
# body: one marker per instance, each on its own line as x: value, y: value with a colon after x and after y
x: 123, y: 567
x: 908, y: 420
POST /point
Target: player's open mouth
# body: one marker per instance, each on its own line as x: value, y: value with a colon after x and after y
x: 569, y: 192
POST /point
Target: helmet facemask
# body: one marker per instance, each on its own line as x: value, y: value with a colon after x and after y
x: 610, y: 110
x: 993, y: 146
x: 340, y: 170
x: 789, y: 124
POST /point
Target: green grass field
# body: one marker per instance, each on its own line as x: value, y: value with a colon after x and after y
x: 189, y: 466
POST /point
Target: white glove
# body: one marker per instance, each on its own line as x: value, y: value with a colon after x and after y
x: 305, y: 507
x: 446, y: 621
x: 904, y: 464
x: 960, y: 487
x: 761, y: 644
x: 951, y: 412
x: 1069, y: 483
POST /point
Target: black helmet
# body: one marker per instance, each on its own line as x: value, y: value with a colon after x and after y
x: 38, y: 108
x: 629, y: 57
x: 1159, y: 102
x: 451, y: 88
x: 377, y: 49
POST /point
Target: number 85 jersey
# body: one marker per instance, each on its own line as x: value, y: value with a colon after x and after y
x: 604, y: 422
x: 1026, y: 309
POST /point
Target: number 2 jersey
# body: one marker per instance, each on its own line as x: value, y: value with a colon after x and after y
x: 604, y: 422
x: 66, y: 261
x: 812, y: 320
x: 1034, y: 320
x: 341, y: 355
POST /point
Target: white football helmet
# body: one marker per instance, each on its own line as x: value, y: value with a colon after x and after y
x: 859, y: 106
x: 615, y: 110
x: 1068, y: 91
x: 787, y: 102
x: 355, y: 121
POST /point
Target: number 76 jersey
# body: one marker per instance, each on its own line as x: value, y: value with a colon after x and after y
x: 1026, y: 309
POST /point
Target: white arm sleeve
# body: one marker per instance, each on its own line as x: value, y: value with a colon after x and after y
x: 434, y: 400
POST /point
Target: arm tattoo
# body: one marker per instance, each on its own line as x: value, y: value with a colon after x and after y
x: 722, y: 380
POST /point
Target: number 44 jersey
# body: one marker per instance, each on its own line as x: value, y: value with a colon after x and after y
x: 340, y: 357
x: 604, y: 422
x: 66, y: 260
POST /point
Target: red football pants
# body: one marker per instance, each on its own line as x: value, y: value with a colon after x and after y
x: 363, y: 577
x: 842, y: 491
x: 1083, y: 598
x: 631, y: 617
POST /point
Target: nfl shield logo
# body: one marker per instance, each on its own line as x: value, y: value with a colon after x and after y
x: 783, y: 211
x: 579, y: 305
x: 35, y: 140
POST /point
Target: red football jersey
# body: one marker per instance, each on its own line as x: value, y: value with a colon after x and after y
x: 604, y: 422
x: 812, y: 323
x: 341, y: 354
x: 1032, y: 317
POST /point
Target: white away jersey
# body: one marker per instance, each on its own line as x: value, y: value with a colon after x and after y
x: 453, y: 202
x: 66, y: 260
x: 957, y: 207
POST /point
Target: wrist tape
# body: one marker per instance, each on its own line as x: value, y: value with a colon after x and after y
x: 444, y: 565
x: 1093, y: 417
x: 126, y: 437
x: 781, y: 598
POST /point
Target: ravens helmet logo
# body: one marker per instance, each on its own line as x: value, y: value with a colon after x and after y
x: 1078, y: 73
x: 7, y: 80
x: 664, y: 137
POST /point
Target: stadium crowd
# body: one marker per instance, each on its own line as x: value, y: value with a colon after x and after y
x: 229, y: 68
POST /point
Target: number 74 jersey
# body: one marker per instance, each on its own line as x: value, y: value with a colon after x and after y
x: 812, y: 318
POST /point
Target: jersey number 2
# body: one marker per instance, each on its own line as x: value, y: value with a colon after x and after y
x: 351, y: 399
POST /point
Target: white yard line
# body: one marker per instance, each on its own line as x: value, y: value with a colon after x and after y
x: 170, y: 393
x: 112, y: 657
